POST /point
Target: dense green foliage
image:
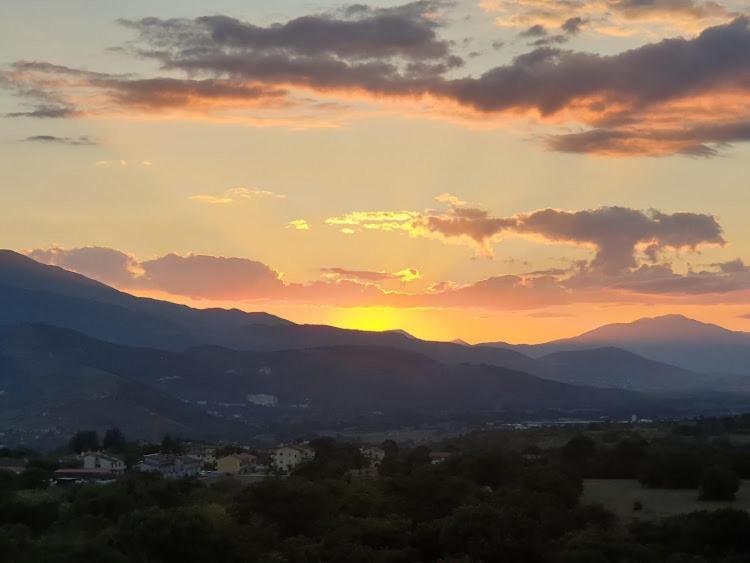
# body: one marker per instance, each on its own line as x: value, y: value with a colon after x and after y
x: 483, y: 507
x: 493, y: 500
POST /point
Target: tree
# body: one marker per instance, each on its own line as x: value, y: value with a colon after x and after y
x: 87, y: 440
x: 579, y: 447
x: 672, y: 470
x: 390, y: 447
x: 719, y: 483
x: 170, y: 445
x: 114, y: 440
x: 34, y: 478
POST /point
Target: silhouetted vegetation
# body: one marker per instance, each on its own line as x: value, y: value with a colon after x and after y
x: 719, y: 483
x: 497, y: 497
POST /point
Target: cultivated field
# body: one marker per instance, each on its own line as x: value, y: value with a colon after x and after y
x: 619, y: 495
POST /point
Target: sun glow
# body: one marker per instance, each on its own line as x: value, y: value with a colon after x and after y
x: 369, y: 318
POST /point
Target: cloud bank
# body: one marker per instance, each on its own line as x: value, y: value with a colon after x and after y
x: 630, y: 263
x: 683, y: 95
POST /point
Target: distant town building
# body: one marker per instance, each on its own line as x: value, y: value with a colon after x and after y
x: 103, y: 462
x: 171, y: 466
x: 532, y: 454
x: 204, y: 452
x: 373, y: 455
x: 237, y: 464
x: 286, y: 458
x: 439, y: 457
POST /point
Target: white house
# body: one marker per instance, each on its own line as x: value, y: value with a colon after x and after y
x: 103, y: 462
x: 286, y: 458
x: 373, y: 455
x: 437, y: 458
x: 171, y: 466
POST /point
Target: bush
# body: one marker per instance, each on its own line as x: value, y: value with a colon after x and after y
x: 579, y: 448
x: 672, y: 470
x: 719, y: 483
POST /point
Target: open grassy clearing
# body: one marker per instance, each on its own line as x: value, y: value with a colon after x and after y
x: 619, y: 495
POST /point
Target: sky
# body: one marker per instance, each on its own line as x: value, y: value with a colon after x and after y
x: 492, y: 171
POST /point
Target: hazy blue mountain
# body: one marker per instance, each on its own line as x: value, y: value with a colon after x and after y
x: 615, y: 367
x: 45, y: 390
x: 31, y: 292
x: 57, y: 378
x: 673, y: 339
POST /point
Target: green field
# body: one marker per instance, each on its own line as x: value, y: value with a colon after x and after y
x: 618, y: 496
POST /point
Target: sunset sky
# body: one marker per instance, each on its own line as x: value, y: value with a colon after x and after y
x: 496, y: 170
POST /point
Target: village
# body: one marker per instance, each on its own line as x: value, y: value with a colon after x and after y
x: 202, y: 461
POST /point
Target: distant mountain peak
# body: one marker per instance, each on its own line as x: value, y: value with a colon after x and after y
x: 402, y: 332
x: 665, y: 327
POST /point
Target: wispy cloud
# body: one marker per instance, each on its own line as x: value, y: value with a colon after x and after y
x: 54, y: 140
x: 609, y: 17
x: 236, y: 195
x: 404, y: 276
x: 124, y: 163
x: 298, y: 225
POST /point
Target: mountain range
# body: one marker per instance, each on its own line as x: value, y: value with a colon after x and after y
x: 75, y: 354
x: 672, y: 339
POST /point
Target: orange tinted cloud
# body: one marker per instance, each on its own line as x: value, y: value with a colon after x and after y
x: 610, y: 17
x: 627, y: 103
x: 615, y: 233
x: 236, y: 195
x: 299, y: 225
x: 626, y: 266
x: 404, y: 276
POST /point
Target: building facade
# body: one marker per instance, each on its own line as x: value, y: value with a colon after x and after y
x: 171, y: 466
x: 103, y: 462
x: 286, y: 458
x: 237, y: 464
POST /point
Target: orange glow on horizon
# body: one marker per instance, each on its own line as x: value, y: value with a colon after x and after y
x: 475, y: 325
